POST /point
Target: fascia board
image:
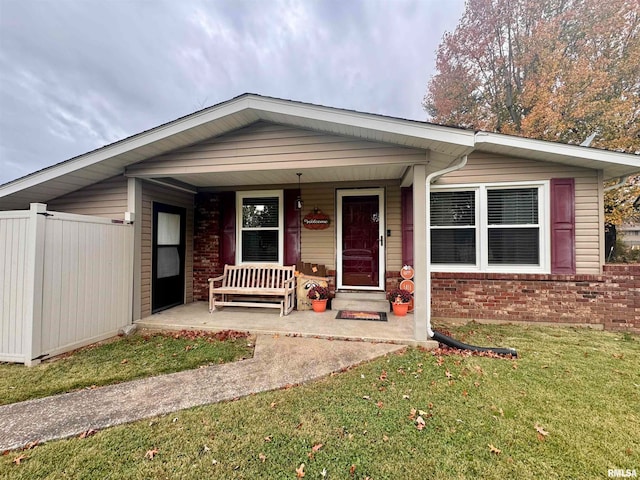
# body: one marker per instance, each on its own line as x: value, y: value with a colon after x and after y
x: 529, y: 147
x: 365, y: 121
x: 125, y: 146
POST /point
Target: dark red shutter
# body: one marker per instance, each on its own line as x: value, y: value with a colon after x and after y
x: 407, y: 225
x: 291, y: 228
x: 227, y: 228
x: 563, y: 226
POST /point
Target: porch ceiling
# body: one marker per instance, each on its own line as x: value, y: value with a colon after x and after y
x: 273, y: 176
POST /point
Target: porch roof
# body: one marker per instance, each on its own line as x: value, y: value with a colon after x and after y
x: 443, y: 144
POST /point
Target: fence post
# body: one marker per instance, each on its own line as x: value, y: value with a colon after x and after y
x: 34, y: 284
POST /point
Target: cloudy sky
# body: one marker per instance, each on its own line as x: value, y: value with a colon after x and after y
x: 79, y: 74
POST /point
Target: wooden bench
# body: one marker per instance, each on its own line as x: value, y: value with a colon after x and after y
x: 267, y: 281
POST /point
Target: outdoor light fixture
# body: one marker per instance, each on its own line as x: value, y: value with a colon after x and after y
x: 299, y: 202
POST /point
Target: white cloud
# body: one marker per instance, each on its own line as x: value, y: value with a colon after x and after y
x: 76, y: 75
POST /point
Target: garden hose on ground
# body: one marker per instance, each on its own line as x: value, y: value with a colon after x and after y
x: 463, y: 346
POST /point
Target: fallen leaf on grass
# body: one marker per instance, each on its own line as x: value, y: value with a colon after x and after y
x: 269, y: 438
x: 448, y: 374
x: 420, y: 423
x: 262, y: 457
x: 495, y: 450
x: 31, y: 445
x: 379, y: 404
x: 88, y: 433
x: 314, y: 450
x: 352, y: 470
x: 151, y: 453
x: 412, y: 414
x: 383, y: 376
x: 18, y: 460
x: 124, y: 361
x: 300, y: 471
x: 541, y: 432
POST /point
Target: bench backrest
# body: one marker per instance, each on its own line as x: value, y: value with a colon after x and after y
x: 257, y: 276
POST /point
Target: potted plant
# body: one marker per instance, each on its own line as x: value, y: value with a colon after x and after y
x: 319, y: 296
x: 399, y: 298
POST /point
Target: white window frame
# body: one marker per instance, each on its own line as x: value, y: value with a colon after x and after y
x: 240, y: 196
x: 482, y: 229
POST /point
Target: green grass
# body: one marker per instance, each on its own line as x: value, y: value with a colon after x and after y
x: 580, y: 386
x: 119, y: 360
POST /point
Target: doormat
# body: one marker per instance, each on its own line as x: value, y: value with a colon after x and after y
x: 358, y: 315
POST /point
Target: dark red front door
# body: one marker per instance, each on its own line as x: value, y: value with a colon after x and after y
x: 360, y: 238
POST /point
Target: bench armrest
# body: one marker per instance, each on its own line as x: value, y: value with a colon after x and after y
x: 291, y: 281
x: 216, y: 279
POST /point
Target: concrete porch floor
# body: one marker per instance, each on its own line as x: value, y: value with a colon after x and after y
x: 266, y: 321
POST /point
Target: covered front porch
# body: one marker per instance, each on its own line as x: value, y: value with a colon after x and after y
x: 298, y: 323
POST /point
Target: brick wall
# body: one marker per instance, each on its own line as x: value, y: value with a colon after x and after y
x: 206, y: 243
x: 611, y: 299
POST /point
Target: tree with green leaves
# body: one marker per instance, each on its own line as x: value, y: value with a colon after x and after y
x: 558, y: 70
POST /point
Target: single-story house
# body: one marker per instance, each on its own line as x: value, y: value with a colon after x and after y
x: 492, y: 224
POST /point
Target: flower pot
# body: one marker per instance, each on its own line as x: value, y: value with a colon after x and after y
x: 400, y: 309
x: 319, y: 305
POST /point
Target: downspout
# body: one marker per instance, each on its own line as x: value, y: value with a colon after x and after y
x: 431, y: 178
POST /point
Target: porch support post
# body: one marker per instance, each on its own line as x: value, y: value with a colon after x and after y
x: 420, y: 246
x: 134, y: 214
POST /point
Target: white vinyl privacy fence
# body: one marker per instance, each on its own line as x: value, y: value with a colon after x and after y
x: 65, y: 282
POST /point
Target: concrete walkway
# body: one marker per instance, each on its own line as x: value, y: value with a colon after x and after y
x: 277, y: 362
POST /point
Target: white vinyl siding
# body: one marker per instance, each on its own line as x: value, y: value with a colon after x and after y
x: 105, y: 199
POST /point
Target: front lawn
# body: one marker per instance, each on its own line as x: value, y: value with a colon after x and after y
x: 119, y: 360
x: 569, y: 407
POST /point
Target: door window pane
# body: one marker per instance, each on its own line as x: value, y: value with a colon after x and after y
x: 168, y: 264
x: 168, y: 229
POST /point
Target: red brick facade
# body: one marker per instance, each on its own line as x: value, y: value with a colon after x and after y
x: 611, y: 299
x: 206, y: 243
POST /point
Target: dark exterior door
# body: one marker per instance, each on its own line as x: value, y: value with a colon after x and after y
x: 361, y: 239
x: 168, y: 256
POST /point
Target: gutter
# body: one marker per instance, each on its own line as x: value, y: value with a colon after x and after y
x: 432, y: 177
